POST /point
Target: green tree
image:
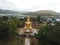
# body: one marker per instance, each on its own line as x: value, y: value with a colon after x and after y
x: 8, y: 28
x: 39, y: 19
x: 49, y: 35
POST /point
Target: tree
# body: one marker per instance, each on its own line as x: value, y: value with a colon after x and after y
x: 4, y: 18
x: 39, y: 19
x: 49, y: 35
x: 8, y: 28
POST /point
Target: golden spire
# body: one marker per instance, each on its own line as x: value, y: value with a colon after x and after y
x: 28, y: 24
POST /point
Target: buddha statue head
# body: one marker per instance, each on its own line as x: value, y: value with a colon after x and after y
x: 28, y: 19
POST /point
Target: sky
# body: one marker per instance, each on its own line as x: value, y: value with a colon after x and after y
x: 30, y: 5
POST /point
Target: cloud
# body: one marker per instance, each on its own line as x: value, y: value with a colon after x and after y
x: 31, y: 5
x: 4, y: 4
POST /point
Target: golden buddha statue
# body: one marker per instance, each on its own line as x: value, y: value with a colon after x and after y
x: 28, y: 24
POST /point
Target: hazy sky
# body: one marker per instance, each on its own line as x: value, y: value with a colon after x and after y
x: 30, y: 5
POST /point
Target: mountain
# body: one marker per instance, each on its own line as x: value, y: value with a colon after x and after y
x: 45, y: 13
x: 8, y: 12
x: 28, y: 13
x: 42, y: 12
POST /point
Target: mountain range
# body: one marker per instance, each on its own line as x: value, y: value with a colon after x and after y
x: 41, y: 12
x: 8, y: 12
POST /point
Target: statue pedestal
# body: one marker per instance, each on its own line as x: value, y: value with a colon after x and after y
x: 27, y: 33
